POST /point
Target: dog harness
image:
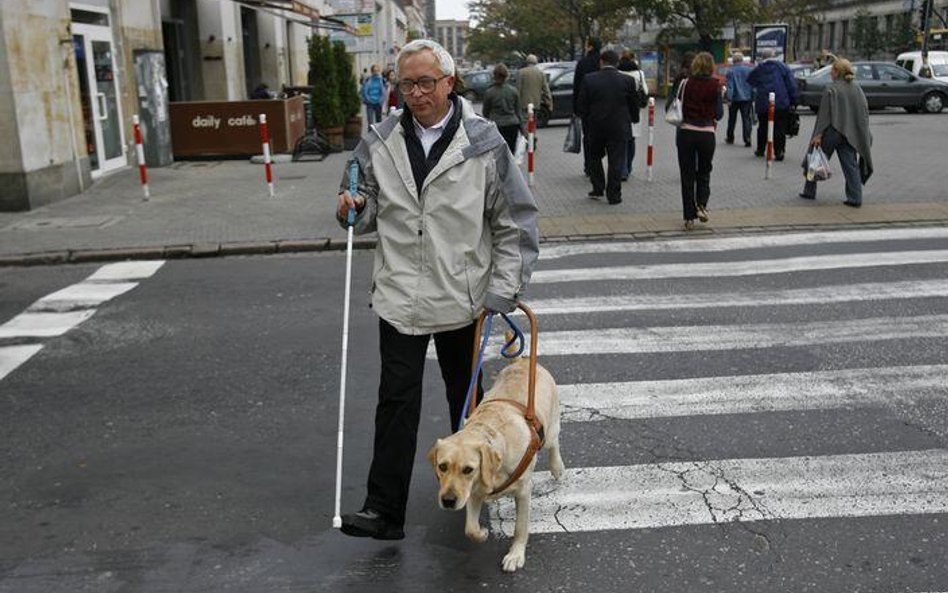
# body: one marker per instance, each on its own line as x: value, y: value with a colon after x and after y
x: 536, y: 442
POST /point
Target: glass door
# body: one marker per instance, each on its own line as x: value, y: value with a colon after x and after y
x: 102, y: 116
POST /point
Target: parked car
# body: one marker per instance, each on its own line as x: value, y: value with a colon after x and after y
x: 938, y: 60
x: 476, y: 83
x: 801, y: 69
x: 885, y: 85
x: 560, y: 78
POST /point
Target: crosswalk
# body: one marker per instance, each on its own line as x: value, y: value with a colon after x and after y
x: 755, y: 300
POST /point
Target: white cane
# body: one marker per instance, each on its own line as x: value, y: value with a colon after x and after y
x: 353, y: 189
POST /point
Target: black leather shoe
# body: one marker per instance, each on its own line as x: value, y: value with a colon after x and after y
x: 747, y: 144
x: 758, y: 154
x: 615, y: 201
x: 807, y: 196
x: 778, y: 157
x: 853, y: 204
x: 371, y: 523
x: 595, y: 195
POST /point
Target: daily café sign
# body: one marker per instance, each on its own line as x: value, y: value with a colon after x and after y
x: 231, y: 128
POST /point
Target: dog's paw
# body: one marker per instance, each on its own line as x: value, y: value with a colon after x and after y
x: 514, y: 560
x: 557, y: 469
x: 478, y: 535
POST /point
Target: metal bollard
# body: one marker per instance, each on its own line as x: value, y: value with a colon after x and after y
x: 651, y: 135
x: 531, y: 134
x: 140, y: 152
x: 265, y: 138
x: 770, y: 135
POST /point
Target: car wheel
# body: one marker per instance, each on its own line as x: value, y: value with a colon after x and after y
x: 933, y: 102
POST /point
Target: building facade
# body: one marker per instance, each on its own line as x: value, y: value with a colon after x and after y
x: 453, y: 36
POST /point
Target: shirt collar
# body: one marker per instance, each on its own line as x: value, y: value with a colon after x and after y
x: 438, y: 126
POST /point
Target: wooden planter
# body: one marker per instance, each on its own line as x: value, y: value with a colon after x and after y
x: 335, y: 136
x: 352, y: 132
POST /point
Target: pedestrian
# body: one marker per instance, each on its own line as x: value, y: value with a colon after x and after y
x: 824, y: 59
x: 629, y: 67
x: 773, y: 76
x: 261, y: 91
x: 609, y: 103
x: 457, y: 234
x: 588, y: 64
x: 703, y: 106
x: 739, y: 96
x: 842, y: 126
x: 502, y: 106
x: 373, y: 95
x: 534, y: 88
x: 392, y: 92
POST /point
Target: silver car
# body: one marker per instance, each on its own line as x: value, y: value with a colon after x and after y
x: 885, y: 85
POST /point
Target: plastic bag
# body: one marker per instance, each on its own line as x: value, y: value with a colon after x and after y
x: 574, y: 136
x: 817, y: 165
x: 521, y: 149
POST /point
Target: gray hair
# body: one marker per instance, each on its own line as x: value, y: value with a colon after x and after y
x: 767, y: 53
x: 531, y: 59
x: 737, y: 58
x: 445, y: 61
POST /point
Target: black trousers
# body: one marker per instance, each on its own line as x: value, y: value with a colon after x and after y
x: 780, y: 132
x: 587, y: 156
x: 510, y: 134
x: 613, y: 148
x: 399, y: 408
x: 744, y: 108
x: 695, y: 153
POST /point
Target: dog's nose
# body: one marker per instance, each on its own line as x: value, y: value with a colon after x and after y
x: 448, y: 502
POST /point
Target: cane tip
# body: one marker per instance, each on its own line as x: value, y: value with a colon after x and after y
x: 337, y: 522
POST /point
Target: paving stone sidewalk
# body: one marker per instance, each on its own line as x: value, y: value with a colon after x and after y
x: 205, y: 208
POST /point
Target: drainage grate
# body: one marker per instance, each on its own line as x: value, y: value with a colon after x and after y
x: 290, y: 177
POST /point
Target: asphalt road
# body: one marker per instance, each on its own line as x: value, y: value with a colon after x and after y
x: 760, y: 413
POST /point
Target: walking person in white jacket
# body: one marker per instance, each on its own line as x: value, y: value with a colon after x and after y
x: 629, y: 67
x: 457, y: 233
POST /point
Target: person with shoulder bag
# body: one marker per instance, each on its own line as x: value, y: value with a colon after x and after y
x: 629, y: 67
x: 702, y: 104
x: 842, y: 126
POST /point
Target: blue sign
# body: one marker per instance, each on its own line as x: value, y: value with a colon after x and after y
x: 771, y: 37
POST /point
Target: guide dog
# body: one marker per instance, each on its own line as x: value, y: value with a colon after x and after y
x: 474, y: 461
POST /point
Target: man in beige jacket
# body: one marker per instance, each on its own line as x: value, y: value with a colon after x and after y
x: 534, y: 88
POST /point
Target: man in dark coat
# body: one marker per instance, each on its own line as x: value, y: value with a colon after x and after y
x: 588, y: 64
x: 773, y: 76
x: 608, y: 103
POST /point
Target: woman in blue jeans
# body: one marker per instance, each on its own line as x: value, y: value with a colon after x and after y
x: 842, y: 126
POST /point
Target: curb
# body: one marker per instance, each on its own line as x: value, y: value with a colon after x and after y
x: 241, y: 248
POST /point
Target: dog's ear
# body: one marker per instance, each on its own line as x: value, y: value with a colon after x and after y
x: 433, y: 453
x: 490, y: 463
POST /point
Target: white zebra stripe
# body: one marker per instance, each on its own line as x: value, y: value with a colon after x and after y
x: 43, y: 325
x: 129, y: 270
x: 83, y: 295
x: 873, y: 291
x: 13, y: 356
x: 747, y: 394
x: 557, y: 251
x: 702, y: 492
x: 740, y: 268
x: 694, y: 338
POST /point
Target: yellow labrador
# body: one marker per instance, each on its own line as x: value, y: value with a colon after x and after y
x: 474, y: 461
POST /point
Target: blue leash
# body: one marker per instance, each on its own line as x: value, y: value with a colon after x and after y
x: 488, y: 323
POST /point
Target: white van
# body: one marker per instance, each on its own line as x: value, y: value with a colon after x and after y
x: 938, y: 60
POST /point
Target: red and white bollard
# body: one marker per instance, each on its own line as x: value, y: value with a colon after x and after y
x: 651, y: 135
x: 265, y: 138
x: 531, y: 134
x: 770, y: 135
x: 140, y: 152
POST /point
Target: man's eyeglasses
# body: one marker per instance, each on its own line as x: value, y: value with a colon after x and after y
x: 427, y: 84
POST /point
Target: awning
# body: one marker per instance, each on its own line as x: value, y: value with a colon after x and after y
x: 298, y: 12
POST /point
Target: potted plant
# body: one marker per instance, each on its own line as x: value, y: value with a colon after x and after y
x: 327, y: 112
x: 348, y: 95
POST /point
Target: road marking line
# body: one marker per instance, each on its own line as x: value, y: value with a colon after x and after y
x: 13, y: 356
x: 83, y: 295
x: 129, y: 270
x: 43, y: 325
x: 634, y: 340
x: 703, y: 492
x: 874, y: 291
x: 741, y: 268
x: 747, y: 394
x: 550, y: 252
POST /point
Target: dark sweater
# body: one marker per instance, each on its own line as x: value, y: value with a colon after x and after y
x: 702, y: 102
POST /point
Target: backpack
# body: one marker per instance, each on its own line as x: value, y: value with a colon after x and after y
x: 372, y: 90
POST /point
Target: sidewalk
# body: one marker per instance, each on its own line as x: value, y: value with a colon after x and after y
x: 208, y: 208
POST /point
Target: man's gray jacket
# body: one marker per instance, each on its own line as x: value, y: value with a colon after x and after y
x: 468, y: 239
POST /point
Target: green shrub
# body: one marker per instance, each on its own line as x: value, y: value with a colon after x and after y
x: 327, y: 111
